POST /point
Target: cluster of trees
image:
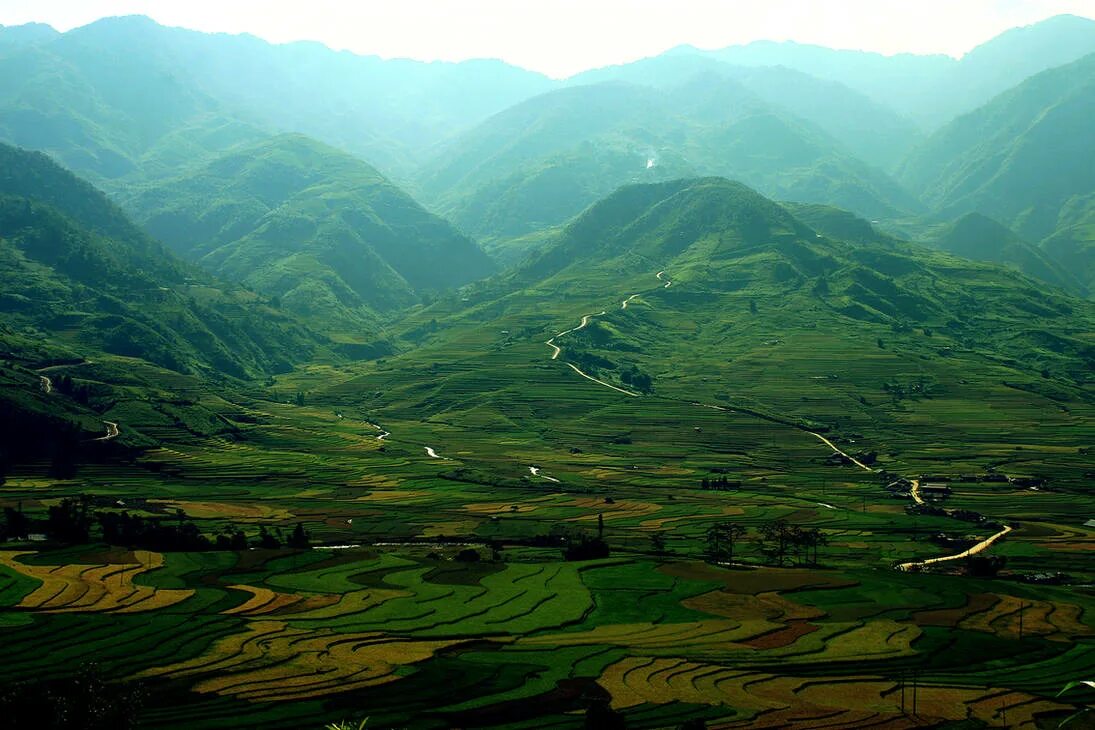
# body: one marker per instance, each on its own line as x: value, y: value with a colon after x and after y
x: 637, y: 379
x: 79, y: 393
x: 779, y: 542
x: 718, y: 484
x: 88, y: 700
x: 73, y: 519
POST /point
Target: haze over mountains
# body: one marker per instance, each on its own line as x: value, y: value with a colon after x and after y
x: 346, y: 195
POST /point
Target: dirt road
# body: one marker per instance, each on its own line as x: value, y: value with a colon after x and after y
x: 832, y: 446
x: 988, y: 541
x: 111, y: 431
x: 585, y: 321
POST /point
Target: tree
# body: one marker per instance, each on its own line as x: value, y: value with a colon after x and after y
x: 70, y: 521
x: 776, y: 538
x: 468, y: 555
x: 299, y: 538
x: 300, y: 398
x: 752, y: 306
x: 601, y: 716
x: 585, y: 548
x: 16, y: 524
x: 88, y: 700
x: 600, y: 525
x: 266, y: 540
x: 812, y: 539
x: 721, y: 539
x: 657, y: 542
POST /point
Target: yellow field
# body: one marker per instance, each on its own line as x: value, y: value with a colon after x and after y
x: 271, y: 662
x: 105, y: 588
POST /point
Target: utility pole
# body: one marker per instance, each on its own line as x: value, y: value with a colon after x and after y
x: 916, y: 676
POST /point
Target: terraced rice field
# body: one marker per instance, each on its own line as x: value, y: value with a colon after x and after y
x: 381, y: 620
x: 330, y: 633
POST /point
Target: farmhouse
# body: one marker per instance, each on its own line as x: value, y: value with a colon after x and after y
x: 935, y: 490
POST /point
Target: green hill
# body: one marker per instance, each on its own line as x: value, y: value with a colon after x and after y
x: 762, y: 313
x: 543, y: 161
x: 325, y: 233
x: 77, y: 270
x: 980, y: 238
x: 1072, y: 245
x: 1020, y: 158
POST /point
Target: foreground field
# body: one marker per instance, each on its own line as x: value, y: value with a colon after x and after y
x: 288, y: 639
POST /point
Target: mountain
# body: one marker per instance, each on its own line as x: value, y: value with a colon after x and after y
x: 120, y: 96
x: 1072, y: 245
x: 732, y: 299
x: 322, y: 231
x: 542, y: 161
x: 20, y: 36
x: 977, y: 237
x: 1020, y: 158
x: 868, y: 129
x: 929, y: 89
x: 79, y: 274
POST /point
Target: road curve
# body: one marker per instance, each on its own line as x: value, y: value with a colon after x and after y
x: 629, y: 300
x: 383, y: 434
x: 47, y: 384
x: 585, y: 322
x: 915, y: 492
x: 535, y: 471
x: 964, y: 554
x: 111, y: 431
x: 660, y: 276
x: 431, y: 453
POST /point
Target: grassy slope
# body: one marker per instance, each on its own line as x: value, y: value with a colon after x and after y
x: 987, y: 160
x: 326, y: 233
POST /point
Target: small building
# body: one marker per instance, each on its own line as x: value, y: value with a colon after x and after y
x: 939, y: 490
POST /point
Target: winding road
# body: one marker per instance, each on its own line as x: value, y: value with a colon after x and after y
x: 431, y: 453
x: 914, y: 492
x: 964, y: 554
x: 47, y: 384
x: 111, y: 431
x: 585, y: 322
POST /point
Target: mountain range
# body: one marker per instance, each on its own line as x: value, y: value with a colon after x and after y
x: 270, y: 217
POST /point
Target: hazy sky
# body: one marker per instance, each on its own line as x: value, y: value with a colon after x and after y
x: 561, y: 37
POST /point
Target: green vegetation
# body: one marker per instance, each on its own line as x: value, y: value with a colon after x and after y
x: 296, y: 454
x: 322, y: 232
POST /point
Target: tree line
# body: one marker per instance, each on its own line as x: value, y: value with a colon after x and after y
x: 75, y: 521
x: 780, y: 543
